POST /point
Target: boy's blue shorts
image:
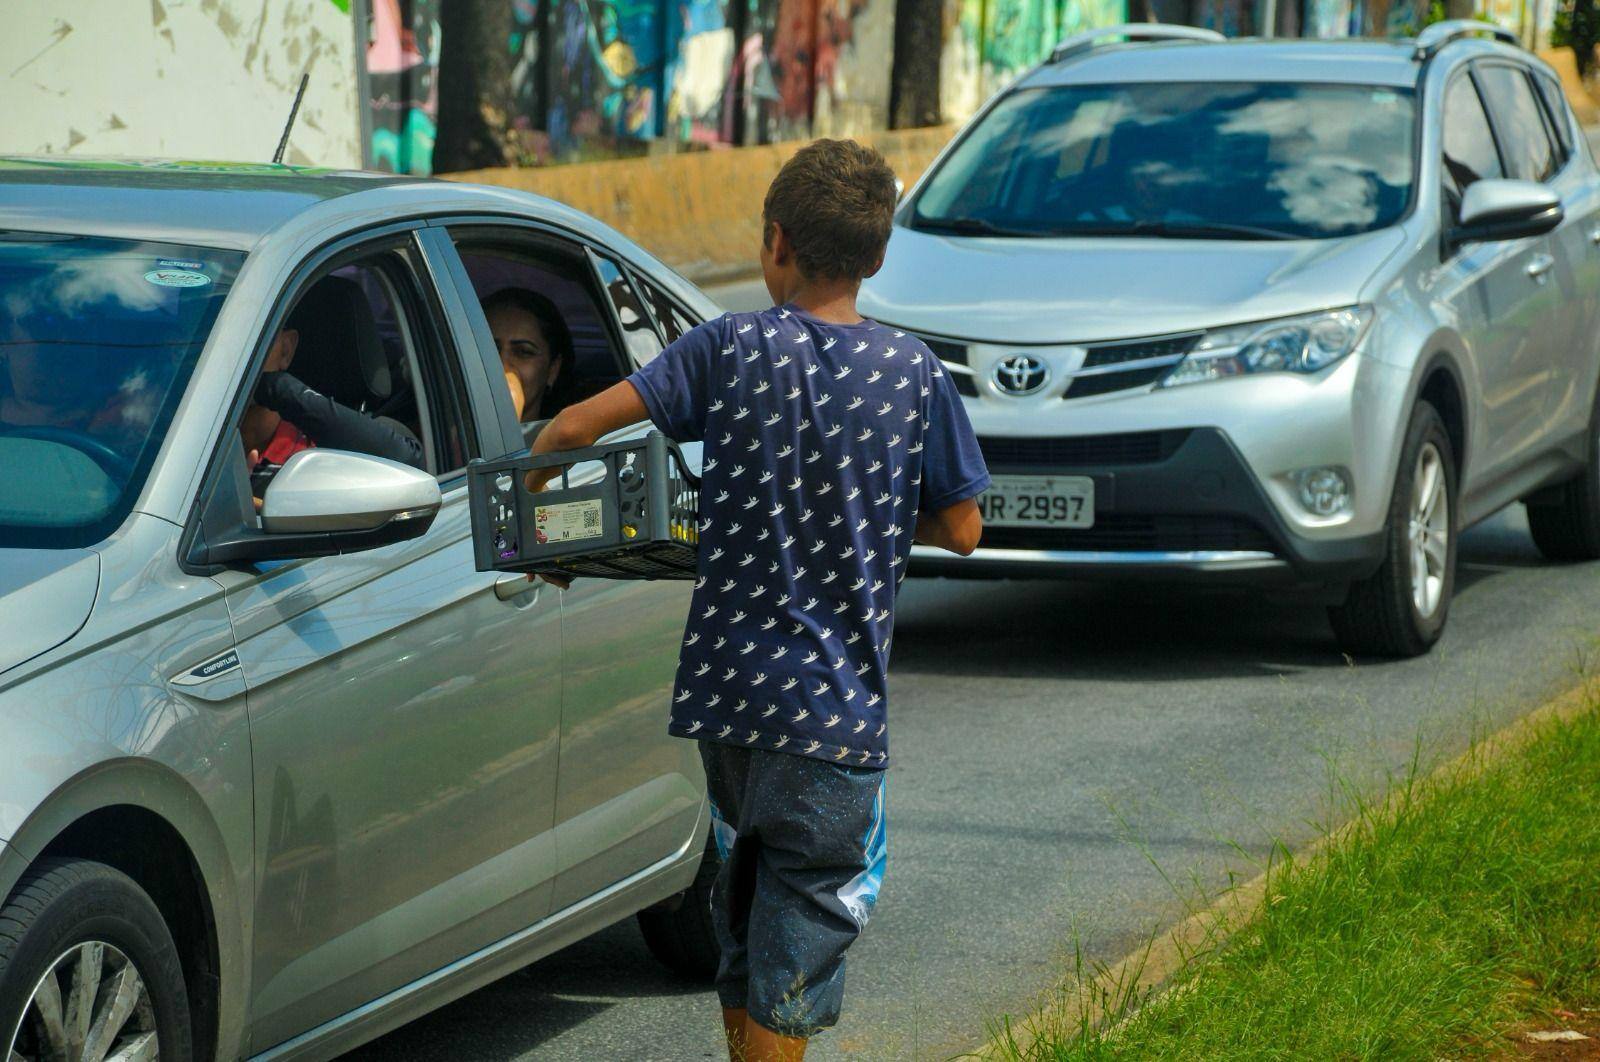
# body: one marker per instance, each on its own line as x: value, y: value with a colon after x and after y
x: 803, y: 853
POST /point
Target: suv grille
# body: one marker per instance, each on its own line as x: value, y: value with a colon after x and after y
x: 1127, y: 532
x: 954, y: 354
x: 1147, y: 361
x: 1123, y: 448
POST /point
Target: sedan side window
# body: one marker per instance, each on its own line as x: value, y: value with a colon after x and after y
x: 1518, y: 122
x: 1469, y: 150
x: 1560, y: 116
x: 634, y: 320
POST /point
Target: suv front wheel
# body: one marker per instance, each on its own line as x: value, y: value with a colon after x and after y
x: 1401, y: 608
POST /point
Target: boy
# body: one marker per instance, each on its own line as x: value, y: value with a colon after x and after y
x: 831, y: 442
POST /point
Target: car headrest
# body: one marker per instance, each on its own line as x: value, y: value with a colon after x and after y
x: 340, y: 353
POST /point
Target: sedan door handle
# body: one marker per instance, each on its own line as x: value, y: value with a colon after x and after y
x: 513, y: 586
x: 1539, y: 265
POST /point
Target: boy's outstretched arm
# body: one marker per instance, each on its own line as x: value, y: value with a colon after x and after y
x: 578, y: 426
x: 956, y: 528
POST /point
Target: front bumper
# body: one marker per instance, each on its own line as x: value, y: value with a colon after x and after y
x: 1168, y: 504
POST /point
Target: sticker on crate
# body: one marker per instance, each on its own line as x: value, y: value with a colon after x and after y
x: 568, y: 521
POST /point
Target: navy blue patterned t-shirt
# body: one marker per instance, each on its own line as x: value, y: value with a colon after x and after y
x: 822, y: 444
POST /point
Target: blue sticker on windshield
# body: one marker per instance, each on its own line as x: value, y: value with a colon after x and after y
x: 177, y: 278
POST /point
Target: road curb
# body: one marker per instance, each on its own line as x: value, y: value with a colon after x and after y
x: 1146, y: 971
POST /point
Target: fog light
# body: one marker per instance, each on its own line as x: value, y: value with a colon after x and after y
x: 1323, y: 491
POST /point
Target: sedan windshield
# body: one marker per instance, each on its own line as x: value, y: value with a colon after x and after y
x: 97, y: 340
x: 1179, y: 160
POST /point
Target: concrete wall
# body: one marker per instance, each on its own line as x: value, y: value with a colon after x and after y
x: 197, y: 79
x: 700, y: 212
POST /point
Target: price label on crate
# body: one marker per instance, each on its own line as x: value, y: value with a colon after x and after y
x: 568, y: 521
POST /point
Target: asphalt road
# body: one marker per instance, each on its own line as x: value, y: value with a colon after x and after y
x: 1073, y: 763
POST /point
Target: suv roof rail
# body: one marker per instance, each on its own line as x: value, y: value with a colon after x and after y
x: 1436, y: 36
x: 1131, y: 31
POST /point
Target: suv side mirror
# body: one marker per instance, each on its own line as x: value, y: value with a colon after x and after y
x: 1500, y: 209
x: 325, y: 502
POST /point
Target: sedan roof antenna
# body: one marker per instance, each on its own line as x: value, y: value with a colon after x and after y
x: 283, y: 142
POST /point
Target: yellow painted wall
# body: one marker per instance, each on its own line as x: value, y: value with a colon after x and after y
x: 699, y: 211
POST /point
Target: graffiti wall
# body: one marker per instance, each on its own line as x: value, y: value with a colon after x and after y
x: 988, y: 43
x: 402, y: 57
x: 110, y: 77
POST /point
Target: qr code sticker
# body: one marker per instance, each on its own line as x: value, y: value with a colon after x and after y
x: 591, y: 519
x: 567, y: 522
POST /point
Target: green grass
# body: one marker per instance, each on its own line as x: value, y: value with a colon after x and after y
x: 1436, y: 921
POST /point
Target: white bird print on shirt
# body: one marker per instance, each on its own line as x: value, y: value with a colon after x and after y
x: 859, y: 583
x: 870, y: 554
x: 876, y: 375
x: 729, y: 349
x: 855, y: 492
x: 720, y: 642
x: 742, y: 705
x: 754, y: 354
x: 826, y: 632
x: 855, y: 402
x: 841, y: 607
x: 911, y: 415
x: 751, y: 502
x: 772, y: 568
x: 782, y: 741
x: 917, y: 449
x: 830, y: 577
x: 916, y: 359
x: 877, y: 584
x: 825, y: 488
x: 722, y: 496
x: 782, y: 649
x: 748, y: 559
x: 883, y: 614
x: 866, y: 433
x: 859, y: 347
x: 733, y: 381
x: 758, y: 678
x: 770, y: 421
x: 768, y: 333
x: 803, y: 337
x: 697, y: 725
x: 819, y: 545
x: 781, y: 362
x: 776, y: 509
x: 844, y: 462
x: 782, y: 600
x: 751, y: 740
x: 727, y: 586
x: 786, y: 451
x: 725, y: 731
x: 711, y: 610
x: 926, y: 392
x: 804, y: 712
x: 897, y: 335
x: 797, y: 482
x: 736, y: 617
x: 861, y: 525
x: 762, y: 387
x: 839, y: 663
x: 695, y: 637
x: 894, y: 440
x: 713, y: 407
x: 765, y: 477
x: 682, y: 696
x: 824, y: 400
x: 880, y: 730
x: 797, y: 628
x: 789, y: 685
x: 734, y: 529
x: 855, y: 636
x: 862, y: 670
x: 849, y: 695
x: 867, y: 616
x: 752, y: 446
x: 787, y: 542
x: 728, y: 675
x: 794, y: 393
x: 743, y: 413
x: 886, y: 407
x: 889, y: 352
x: 904, y: 382
x: 769, y: 623
x: 861, y: 724
x: 758, y: 591
x: 813, y: 457
x: 812, y: 369
x: 714, y: 700
x: 810, y: 604
x: 749, y: 647
x: 771, y: 708
x: 842, y: 373
x: 833, y: 720
x: 783, y: 314
x: 882, y: 498
x: 836, y: 521
x: 747, y: 328
x: 715, y: 553
x: 831, y: 432
x: 805, y: 423
x: 812, y: 747
x: 810, y: 658
x: 766, y: 532
x: 842, y: 753
x: 727, y: 437
x: 805, y: 516
x: 821, y: 689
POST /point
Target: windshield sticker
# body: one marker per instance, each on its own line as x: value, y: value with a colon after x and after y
x: 177, y: 278
x: 178, y: 263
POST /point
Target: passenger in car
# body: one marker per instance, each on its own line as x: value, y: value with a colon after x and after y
x: 535, y: 350
x: 286, y: 416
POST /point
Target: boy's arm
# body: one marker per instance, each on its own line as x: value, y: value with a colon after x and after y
x: 578, y: 426
x: 956, y: 528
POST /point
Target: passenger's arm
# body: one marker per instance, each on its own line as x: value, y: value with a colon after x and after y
x: 578, y: 426
x: 956, y: 528
x: 333, y: 425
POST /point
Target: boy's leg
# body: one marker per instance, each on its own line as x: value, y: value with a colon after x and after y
x: 821, y: 861
x: 727, y: 771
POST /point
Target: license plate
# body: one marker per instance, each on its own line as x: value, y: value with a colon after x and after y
x: 1038, y: 501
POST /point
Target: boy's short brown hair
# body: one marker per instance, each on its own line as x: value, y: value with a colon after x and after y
x: 834, y: 199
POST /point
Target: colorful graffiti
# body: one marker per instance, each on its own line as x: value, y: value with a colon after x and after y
x: 403, y: 83
x: 598, y: 78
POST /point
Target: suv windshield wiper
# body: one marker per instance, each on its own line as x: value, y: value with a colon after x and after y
x: 1176, y: 230
x: 968, y: 227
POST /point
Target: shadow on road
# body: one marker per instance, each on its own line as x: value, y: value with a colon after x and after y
x: 1144, y: 632
x: 512, y: 1017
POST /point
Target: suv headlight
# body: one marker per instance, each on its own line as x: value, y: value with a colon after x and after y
x: 1307, y: 343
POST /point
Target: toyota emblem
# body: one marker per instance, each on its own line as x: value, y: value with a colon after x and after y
x: 1021, y: 374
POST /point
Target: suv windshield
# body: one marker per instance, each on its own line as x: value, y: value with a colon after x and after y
x: 97, y: 340
x: 1180, y: 159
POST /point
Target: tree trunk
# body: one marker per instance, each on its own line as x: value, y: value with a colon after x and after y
x: 918, y: 46
x: 1459, y: 8
x: 475, y: 92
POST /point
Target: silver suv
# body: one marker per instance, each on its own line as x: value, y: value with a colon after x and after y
x: 278, y: 775
x: 1280, y: 311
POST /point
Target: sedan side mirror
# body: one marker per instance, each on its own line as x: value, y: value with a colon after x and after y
x: 1498, y: 209
x: 325, y: 502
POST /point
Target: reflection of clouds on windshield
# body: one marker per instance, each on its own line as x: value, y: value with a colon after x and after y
x: 1329, y: 158
x: 74, y: 285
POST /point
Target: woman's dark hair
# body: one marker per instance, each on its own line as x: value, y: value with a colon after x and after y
x: 554, y: 326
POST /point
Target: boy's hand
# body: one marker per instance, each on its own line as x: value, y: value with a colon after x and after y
x: 536, y: 479
x: 560, y: 582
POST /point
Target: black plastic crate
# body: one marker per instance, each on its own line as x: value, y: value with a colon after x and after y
x: 638, y: 522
